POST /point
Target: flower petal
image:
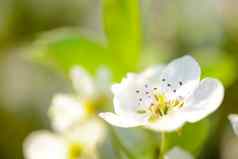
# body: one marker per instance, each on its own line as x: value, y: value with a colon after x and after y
x: 181, y: 77
x: 170, y: 122
x: 104, y: 79
x: 234, y: 122
x: 122, y: 121
x: 65, y: 111
x: 87, y: 134
x: 131, y: 92
x: 205, y: 100
x: 178, y: 153
x: 125, y: 96
x: 82, y: 82
x: 152, y: 74
x: 45, y: 145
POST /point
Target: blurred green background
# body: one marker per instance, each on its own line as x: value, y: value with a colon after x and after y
x: 41, y: 39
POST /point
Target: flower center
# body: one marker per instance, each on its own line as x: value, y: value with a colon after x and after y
x: 88, y: 107
x: 161, y: 106
x: 155, y: 103
x: 75, y: 151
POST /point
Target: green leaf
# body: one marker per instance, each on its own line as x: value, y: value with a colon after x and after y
x: 65, y: 49
x: 122, y: 27
x: 191, y: 137
x: 217, y: 64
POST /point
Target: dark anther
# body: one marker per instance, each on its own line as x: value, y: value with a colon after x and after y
x: 140, y: 99
x: 163, y: 79
x: 137, y: 91
x: 180, y: 83
x: 174, y: 91
x: 147, y: 92
x: 146, y: 86
x: 169, y: 85
x: 155, y: 88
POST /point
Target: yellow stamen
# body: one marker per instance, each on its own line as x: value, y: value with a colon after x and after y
x: 162, y: 105
x: 75, y: 151
x: 88, y: 106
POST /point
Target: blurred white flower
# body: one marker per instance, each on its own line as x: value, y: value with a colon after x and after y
x: 234, y: 122
x: 79, y: 143
x: 76, y: 129
x: 68, y: 110
x: 164, y: 98
x: 178, y: 153
x: 65, y: 111
x: 88, y: 133
x: 45, y: 145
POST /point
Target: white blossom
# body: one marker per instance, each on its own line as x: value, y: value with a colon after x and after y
x: 76, y: 132
x: 234, y: 122
x: 67, y: 110
x: 77, y: 143
x: 164, y: 98
x: 44, y: 144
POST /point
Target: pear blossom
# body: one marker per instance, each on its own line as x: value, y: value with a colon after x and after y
x: 234, y: 122
x: 79, y: 145
x: 76, y: 132
x: 44, y: 144
x: 178, y: 153
x: 164, y: 98
x: 67, y: 110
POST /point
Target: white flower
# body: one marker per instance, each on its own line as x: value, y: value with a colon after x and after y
x: 79, y: 143
x: 67, y: 110
x: 234, y: 122
x: 45, y: 145
x: 88, y: 133
x: 165, y: 97
x: 76, y: 130
x: 178, y: 153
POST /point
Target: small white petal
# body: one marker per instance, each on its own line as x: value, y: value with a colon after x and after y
x: 82, y: 82
x: 178, y: 153
x: 205, y: 100
x: 125, y: 96
x: 152, y: 74
x: 170, y: 122
x: 45, y: 145
x: 181, y: 76
x: 234, y: 122
x: 104, y: 79
x: 88, y: 133
x: 122, y: 121
x: 65, y: 111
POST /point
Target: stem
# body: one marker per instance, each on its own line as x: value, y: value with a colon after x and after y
x: 121, y: 145
x: 162, y: 145
x: 115, y: 148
